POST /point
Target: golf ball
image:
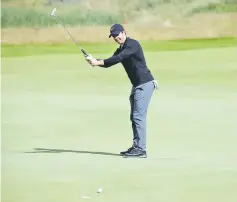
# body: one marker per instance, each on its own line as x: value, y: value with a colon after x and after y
x: 99, y: 190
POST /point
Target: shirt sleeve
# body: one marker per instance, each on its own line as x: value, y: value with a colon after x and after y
x: 108, y: 64
x: 129, y: 50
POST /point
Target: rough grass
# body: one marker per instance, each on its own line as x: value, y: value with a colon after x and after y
x: 216, y: 7
x: 62, y: 121
x: 26, y: 17
x: 198, y: 26
x: 92, y: 12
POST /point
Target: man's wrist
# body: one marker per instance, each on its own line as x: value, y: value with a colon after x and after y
x: 101, y: 62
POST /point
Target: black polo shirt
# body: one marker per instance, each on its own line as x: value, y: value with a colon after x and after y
x: 132, y: 58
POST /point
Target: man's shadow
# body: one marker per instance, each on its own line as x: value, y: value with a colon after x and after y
x: 45, y: 150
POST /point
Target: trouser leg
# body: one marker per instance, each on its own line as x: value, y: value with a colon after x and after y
x: 135, y: 135
x: 140, y: 99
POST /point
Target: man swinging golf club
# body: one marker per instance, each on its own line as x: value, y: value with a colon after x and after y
x: 130, y: 54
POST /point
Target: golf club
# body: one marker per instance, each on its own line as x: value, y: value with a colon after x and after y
x: 53, y: 14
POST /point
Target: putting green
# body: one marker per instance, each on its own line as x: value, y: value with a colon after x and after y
x: 64, y: 122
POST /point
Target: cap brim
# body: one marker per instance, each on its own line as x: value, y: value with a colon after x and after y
x: 114, y: 34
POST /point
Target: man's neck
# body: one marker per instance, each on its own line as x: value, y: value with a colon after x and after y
x: 121, y: 45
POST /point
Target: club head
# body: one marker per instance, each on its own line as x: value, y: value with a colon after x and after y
x: 53, y: 12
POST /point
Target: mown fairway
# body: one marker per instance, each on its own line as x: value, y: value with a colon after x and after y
x: 64, y: 122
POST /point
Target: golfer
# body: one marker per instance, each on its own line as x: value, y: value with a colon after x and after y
x: 130, y: 54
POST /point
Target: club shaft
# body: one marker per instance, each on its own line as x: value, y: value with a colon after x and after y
x: 70, y: 35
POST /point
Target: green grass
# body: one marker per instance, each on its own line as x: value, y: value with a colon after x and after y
x: 216, y: 7
x: 26, y: 17
x: 36, y: 13
x: 10, y: 50
x: 64, y: 107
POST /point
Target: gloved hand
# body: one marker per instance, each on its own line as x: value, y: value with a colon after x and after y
x: 89, y: 57
x: 156, y: 85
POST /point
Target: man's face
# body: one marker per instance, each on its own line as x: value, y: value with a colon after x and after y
x: 120, y: 39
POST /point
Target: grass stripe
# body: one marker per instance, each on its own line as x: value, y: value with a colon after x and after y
x: 10, y: 50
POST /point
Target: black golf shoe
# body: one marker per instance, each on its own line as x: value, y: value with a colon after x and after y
x: 129, y: 150
x: 135, y: 153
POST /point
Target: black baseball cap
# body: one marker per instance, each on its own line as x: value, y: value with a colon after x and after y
x: 115, y: 30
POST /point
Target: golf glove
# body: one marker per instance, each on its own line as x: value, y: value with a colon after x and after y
x: 89, y: 57
x: 156, y: 84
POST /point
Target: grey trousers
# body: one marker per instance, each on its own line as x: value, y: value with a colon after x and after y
x: 139, y: 99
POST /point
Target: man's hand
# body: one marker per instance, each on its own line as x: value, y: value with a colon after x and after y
x: 95, y: 62
x: 89, y: 57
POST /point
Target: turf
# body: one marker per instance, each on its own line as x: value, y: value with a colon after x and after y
x: 64, y: 122
x: 12, y: 50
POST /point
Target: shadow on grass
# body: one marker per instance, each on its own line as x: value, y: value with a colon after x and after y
x: 44, y: 150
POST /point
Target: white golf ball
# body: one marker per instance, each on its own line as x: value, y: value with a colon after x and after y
x: 99, y: 190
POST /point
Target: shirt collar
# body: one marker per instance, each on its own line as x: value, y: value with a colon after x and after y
x: 122, y: 45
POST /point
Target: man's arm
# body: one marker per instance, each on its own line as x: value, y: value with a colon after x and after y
x: 101, y: 64
x: 130, y: 49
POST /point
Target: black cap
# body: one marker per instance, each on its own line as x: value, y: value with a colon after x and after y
x: 115, y: 30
